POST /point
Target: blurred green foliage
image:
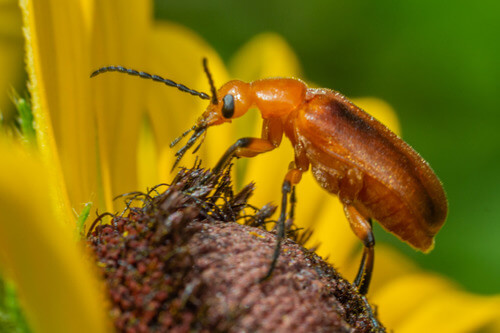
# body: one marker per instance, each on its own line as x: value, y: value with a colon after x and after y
x: 436, y: 62
x: 25, y: 120
x: 12, y: 319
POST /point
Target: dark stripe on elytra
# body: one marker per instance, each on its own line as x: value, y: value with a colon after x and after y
x: 343, y: 111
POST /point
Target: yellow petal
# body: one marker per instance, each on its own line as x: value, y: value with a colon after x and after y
x: 334, y: 235
x: 119, y: 36
x: 11, y: 53
x: 390, y: 264
x: 10, y: 19
x: 42, y: 82
x: 402, y: 296
x: 268, y: 172
x: 56, y: 283
x: 421, y: 301
x: 455, y: 311
x: 176, y: 54
x: 147, y: 158
x: 265, y: 55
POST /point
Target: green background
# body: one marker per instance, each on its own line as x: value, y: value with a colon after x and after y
x: 435, y: 62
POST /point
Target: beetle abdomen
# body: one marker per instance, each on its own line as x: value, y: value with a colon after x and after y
x: 399, y: 190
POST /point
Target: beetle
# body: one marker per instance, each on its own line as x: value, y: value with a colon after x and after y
x: 376, y: 175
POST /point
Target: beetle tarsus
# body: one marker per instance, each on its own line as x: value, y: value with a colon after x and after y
x: 230, y: 153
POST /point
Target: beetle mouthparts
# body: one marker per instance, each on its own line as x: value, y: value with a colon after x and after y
x: 180, y: 137
x: 198, y: 130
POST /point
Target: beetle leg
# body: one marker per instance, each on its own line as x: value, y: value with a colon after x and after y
x: 244, y: 147
x: 362, y: 228
x: 272, y: 130
x: 293, y: 201
x: 294, y: 175
x: 292, y: 178
x: 272, y: 133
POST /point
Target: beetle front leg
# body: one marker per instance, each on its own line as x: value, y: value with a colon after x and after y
x: 362, y: 228
x: 244, y: 147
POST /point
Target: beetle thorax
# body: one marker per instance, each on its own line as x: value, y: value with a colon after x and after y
x: 278, y: 97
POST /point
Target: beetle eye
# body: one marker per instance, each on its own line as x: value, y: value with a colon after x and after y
x: 228, y: 106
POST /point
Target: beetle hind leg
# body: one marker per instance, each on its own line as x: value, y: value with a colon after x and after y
x: 362, y: 228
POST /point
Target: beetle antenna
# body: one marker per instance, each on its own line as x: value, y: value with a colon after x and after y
x: 145, y: 75
x: 211, y: 81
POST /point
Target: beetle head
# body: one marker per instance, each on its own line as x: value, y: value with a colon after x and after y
x: 231, y: 101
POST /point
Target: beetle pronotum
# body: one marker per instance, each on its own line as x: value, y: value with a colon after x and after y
x: 375, y: 174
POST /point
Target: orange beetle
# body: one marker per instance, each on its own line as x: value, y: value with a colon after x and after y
x: 375, y: 174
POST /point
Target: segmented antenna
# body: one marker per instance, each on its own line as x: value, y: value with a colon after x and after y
x: 211, y: 81
x: 157, y: 78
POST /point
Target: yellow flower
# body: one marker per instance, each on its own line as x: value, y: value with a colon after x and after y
x: 110, y: 135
